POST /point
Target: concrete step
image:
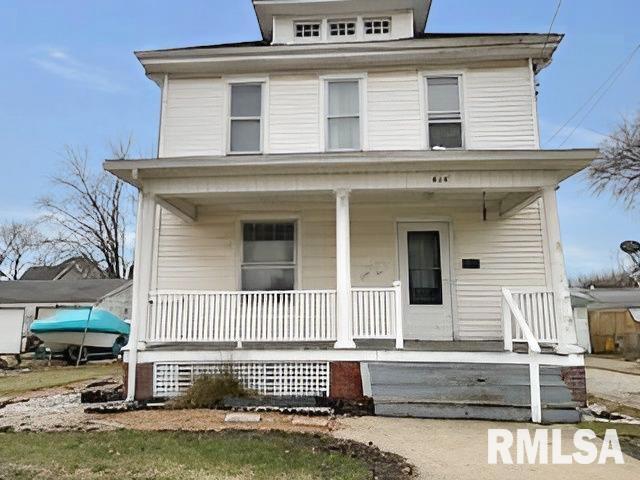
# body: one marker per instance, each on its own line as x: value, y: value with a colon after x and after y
x: 479, y: 391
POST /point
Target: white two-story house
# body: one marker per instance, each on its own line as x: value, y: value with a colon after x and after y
x: 351, y: 206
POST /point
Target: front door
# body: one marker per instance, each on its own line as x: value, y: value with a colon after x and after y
x: 425, y: 277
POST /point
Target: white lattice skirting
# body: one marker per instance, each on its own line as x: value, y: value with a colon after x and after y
x: 300, y: 379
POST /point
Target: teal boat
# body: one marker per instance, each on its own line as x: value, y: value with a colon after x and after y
x: 95, y: 330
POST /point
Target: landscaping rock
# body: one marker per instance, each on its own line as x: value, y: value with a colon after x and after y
x: 240, y: 417
x: 102, y: 394
x: 9, y: 362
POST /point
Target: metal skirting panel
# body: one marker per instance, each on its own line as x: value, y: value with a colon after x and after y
x: 301, y: 379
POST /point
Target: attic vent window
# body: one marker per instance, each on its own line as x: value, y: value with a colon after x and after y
x: 342, y: 29
x: 377, y: 26
x: 307, y: 30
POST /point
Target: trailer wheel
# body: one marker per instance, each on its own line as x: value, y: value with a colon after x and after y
x: 71, y: 354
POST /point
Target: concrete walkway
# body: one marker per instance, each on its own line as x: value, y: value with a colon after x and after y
x: 614, y: 381
x: 457, y: 449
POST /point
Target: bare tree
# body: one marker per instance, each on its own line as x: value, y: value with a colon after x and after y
x: 605, y: 279
x: 22, y: 245
x: 90, y: 212
x: 618, y: 167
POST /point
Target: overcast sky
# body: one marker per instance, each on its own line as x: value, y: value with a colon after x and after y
x: 69, y: 77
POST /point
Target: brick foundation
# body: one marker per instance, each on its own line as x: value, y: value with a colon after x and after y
x: 574, y: 378
x: 144, y: 380
x: 346, y: 381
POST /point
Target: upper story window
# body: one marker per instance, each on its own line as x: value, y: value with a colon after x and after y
x: 343, y: 115
x: 245, y: 118
x: 444, y: 113
x: 307, y: 30
x: 342, y: 28
x: 377, y: 26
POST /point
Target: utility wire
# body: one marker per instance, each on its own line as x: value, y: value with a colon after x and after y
x: 553, y: 20
x: 611, y: 80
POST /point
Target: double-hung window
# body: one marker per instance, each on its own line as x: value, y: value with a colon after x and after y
x: 343, y: 115
x: 245, y: 122
x: 444, y: 112
x: 268, y: 256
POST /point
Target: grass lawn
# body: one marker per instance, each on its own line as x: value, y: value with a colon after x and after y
x: 48, y: 377
x: 173, y: 455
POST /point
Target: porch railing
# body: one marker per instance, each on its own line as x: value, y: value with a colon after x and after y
x: 377, y: 313
x: 529, y: 316
x: 274, y: 316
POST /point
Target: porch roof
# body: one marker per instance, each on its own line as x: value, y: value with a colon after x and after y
x: 563, y: 162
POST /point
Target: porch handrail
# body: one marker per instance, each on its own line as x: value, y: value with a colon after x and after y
x: 513, y: 311
x: 377, y: 313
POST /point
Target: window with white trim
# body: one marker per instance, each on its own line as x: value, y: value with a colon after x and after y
x: 342, y: 28
x: 444, y: 112
x: 268, y: 256
x: 377, y: 26
x: 245, y: 118
x: 343, y: 115
x: 307, y: 30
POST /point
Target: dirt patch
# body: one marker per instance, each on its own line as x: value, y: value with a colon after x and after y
x: 198, y: 420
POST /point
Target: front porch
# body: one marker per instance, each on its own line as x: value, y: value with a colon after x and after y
x: 306, y: 319
x: 285, y: 269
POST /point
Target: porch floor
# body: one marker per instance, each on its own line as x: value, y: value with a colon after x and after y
x: 409, y: 345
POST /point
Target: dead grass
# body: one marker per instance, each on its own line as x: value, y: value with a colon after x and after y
x: 171, y: 455
x: 48, y: 377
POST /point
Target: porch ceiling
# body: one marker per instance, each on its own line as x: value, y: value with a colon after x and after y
x: 498, y: 203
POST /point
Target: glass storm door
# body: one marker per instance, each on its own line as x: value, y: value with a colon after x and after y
x: 425, y: 277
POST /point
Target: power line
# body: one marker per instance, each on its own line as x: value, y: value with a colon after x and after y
x: 616, y: 74
x: 553, y: 20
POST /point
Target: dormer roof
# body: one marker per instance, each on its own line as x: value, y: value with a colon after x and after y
x: 267, y: 9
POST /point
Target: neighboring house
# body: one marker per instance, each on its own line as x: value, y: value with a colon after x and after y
x: 613, y: 316
x: 72, y: 269
x: 351, y: 206
x: 23, y: 301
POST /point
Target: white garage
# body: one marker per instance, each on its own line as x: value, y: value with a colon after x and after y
x: 11, y: 320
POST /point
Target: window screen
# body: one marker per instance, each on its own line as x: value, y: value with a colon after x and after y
x: 246, y: 118
x: 268, y: 256
x: 343, y: 116
x: 444, y: 112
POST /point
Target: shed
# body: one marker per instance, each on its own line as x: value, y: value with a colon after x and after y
x: 613, y: 315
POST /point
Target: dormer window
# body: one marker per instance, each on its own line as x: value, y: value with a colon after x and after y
x: 342, y: 28
x: 377, y: 26
x: 307, y: 30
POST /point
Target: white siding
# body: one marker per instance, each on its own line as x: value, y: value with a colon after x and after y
x: 393, y: 110
x: 205, y: 255
x: 511, y: 254
x: 499, y: 109
x: 192, y: 118
x: 294, y: 114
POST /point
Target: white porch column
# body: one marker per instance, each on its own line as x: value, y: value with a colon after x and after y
x: 343, y: 271
x: 566, y: 325
x: 142, y: 269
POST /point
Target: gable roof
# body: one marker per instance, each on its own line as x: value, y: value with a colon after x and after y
x: 52, y: 272
x: 58, y: 291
